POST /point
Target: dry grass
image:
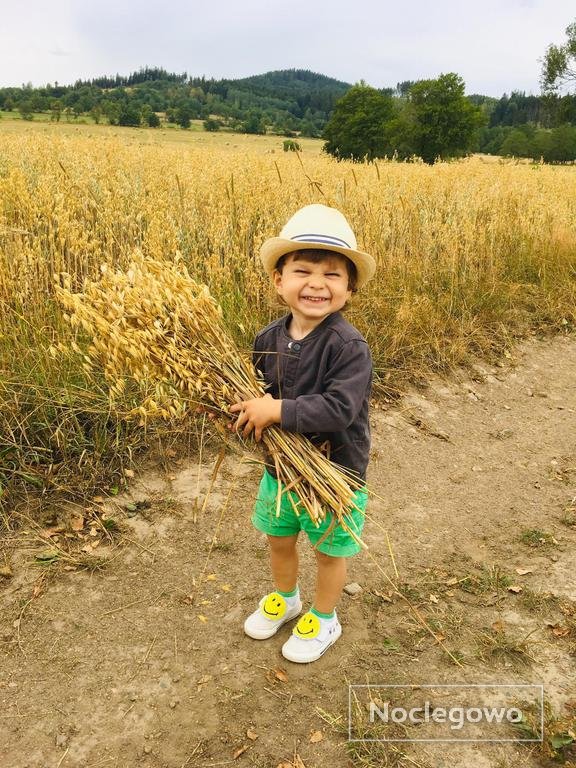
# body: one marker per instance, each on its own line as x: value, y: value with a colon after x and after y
x: 470, y: 255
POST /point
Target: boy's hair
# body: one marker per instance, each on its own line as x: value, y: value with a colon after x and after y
x: 316, y: 256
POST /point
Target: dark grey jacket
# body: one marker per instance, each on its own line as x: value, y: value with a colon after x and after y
x: 324, y: 382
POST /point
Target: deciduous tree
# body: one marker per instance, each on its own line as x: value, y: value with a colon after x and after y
x: 357, y: 129
x: 559, y: 65
x: 446, y: 121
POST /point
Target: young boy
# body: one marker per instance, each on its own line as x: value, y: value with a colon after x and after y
x: 318, y: 372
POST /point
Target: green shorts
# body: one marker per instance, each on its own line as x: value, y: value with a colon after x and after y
x: 328, y: 538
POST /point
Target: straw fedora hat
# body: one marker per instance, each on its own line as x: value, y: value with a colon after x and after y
x: 321, y: 228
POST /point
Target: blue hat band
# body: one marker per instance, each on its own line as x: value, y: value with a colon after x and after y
x: 322, y: 239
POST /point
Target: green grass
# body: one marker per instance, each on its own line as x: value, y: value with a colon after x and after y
x: 534, y: 537
x: 498, y: 646
x: 558, y: 746
x: 568, y: 517
x: 539, y: 602
x: 487, y: 580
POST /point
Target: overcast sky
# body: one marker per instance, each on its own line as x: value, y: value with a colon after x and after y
x: 495, y: 45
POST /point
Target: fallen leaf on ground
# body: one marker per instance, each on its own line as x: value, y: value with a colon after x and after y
x: 98, y: 499
x: 211, y: 577
x: 433, y: 598
x: 129, y: 472
x: 316, y: 736
x: 559, y: 631
x: 497, y: 626
x: 240, y: 751
x: 524, y: 571
x: 515, y: 588
x: 5, y: 571
x: 280, y: 674
x: 53, y: 530
x: 225, y: 587
x: 76, y: 522
x: 252, y: 735
x: 202, y: 618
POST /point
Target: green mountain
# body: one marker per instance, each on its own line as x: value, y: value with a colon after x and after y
x: 283, y: 101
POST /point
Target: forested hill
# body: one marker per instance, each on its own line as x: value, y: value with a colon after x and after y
x: 292, y: 83
x: 283, y: 101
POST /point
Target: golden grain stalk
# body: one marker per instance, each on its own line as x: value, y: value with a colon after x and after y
x: 154, y: 323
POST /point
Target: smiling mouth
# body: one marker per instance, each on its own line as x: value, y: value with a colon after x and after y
x: 315, y: 299
x: 270, y: 613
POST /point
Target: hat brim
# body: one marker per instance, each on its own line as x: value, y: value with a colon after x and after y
x: 276, y: 247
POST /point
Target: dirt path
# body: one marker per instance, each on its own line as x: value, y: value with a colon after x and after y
x: 144, y: 663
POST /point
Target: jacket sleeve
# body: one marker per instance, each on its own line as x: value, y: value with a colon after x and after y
x: 347, y: 383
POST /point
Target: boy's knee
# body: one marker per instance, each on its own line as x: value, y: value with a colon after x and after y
x: 329, y: 560
x: 282, y: 544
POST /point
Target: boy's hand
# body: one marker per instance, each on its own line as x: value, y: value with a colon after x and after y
x: 257, y: 414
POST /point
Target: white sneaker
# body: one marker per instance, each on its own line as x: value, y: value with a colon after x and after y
x: 310, y: 638
x: 273, y: 611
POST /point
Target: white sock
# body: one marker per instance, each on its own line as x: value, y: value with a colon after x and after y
x: 293, y: 599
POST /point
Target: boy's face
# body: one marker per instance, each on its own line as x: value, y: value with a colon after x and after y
x: 313, y: 291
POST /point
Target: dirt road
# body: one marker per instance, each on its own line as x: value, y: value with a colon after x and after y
x: 144, y: 662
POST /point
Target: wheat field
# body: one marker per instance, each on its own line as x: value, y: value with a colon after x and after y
x: 470, y: 256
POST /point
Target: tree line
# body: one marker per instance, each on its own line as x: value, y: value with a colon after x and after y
x: 283, y: 102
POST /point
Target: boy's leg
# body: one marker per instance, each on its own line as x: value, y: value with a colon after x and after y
x: 330, y: 581
x: 318, y: 629
x: 284, y: 562
x: 276, y: 608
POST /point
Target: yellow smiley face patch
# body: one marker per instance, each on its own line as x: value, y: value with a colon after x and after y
x: 274, y: 606
x: 308, y: 627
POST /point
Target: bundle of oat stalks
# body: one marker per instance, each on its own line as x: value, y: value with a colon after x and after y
x: 154, y: 324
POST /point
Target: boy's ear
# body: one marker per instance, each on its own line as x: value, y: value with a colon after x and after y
x: 277, y: 277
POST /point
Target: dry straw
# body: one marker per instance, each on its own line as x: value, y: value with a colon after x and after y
x: 153, y: 323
